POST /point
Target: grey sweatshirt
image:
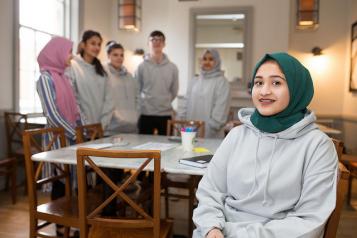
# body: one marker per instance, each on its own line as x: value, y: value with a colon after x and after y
x: 92, y: 92
x: 208, y: 100
x: 158, y: 86
x: 269, y: 185
x: 124, y: 92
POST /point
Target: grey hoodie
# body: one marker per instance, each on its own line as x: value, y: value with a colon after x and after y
x: 92, y: 92
x: 269, y: 185
x: 208, y: 100
x: 124, y: 92
x: 158, y: 86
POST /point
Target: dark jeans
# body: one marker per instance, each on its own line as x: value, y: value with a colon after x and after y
x: 147, y: 124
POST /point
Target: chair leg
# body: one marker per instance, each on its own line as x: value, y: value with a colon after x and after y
x: 349, y: 191
x: 166, y: 194
x: 66, y: 232
x: 191, y: 200
x: 13, y: 183
x: 33, y: 227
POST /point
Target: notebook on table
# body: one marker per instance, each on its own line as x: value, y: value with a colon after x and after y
x: 197, y: 161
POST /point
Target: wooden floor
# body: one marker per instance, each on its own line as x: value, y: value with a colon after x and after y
x: 15, y: 221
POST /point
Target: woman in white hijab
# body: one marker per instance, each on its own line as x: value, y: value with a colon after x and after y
x: 208, y: 95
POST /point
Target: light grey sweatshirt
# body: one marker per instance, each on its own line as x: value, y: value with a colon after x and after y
x: 208, y: 100
x: 269, y: 185
x: 124, y: 92
x: 92, y: 92
x: 158, y: 86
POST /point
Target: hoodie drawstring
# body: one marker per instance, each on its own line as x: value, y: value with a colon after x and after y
x: 266, y: 196
x: 255, y: 165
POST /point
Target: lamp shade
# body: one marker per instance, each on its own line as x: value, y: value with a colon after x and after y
x: 307, y: 15
x: 129, y: 14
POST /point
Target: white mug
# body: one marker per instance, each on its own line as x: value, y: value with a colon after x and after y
x: 188, y: 139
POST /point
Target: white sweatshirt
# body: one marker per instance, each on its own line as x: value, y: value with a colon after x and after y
x: 269, y: 185
x: 208, y: 100
x: 92, y: 92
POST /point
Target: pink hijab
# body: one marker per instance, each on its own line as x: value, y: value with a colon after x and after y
x: 52, y: 58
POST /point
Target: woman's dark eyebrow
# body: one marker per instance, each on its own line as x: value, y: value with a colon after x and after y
x: 277, y: 76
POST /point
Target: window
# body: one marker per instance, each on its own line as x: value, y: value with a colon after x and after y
x: 39, y: 20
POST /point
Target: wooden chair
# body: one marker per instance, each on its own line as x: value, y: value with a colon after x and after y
x: 189, y: 182
x: 62, y: 211
x: 89, y: 132
x: 8, y: 168
x: 174, y: 127
x: 144, y: 225
x: 15, y: 124
x: 350, y: 161
x: 334, y: 219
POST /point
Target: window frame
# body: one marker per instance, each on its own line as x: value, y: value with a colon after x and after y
x: 72, y: 13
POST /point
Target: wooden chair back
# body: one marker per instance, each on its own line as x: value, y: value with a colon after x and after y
x: 32, y: 141
x: 15, y: 124
x: 334, y: 219
x: 92, y: 217
x: 89, y: 132
x: 174, y: 127
x: 339, y: 147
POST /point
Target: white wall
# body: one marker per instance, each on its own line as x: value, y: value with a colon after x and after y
x: 330, y: 81
x: 270, y: 26
x: 6, y: 49
x: 350, y: 99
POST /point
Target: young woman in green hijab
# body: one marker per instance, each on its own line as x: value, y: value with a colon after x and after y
x: 274, y: 176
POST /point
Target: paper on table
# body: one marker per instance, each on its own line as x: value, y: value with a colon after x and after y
x: 155, y: 146
x: 93, y: 146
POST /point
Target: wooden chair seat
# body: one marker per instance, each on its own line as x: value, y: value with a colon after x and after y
x: 68, y: 208
x: 113, y: 232
x: 61, y: 207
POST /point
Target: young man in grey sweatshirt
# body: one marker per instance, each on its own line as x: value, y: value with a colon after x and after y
x: 158, y: 86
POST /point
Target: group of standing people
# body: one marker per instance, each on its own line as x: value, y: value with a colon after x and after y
x: 77, y: 90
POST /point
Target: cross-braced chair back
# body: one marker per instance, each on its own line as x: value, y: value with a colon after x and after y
x: 89, y: 132
x: 59, y: 211
x: 92, y: 217
x: 174, y: 127
x: 15, y: 124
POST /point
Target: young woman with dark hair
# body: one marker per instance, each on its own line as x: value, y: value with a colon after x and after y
x: 90, y: 81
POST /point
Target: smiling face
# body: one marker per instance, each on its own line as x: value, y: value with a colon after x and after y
x: 270, y: 92
x: 116, y: 57
x: 92, y: 46
x: 207, y: 62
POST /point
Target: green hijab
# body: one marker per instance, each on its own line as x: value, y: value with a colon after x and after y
x: 301, y: 90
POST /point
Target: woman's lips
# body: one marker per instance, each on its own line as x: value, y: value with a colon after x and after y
x: 265, y: 101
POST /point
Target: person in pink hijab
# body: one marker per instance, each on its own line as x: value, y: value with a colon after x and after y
x: 54, y: 88
x: 58, y: 103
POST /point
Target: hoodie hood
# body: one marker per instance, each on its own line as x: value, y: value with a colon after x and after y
x: 82, y: 62
x: 300, y: 128
x: 121, y: 72
x: 165, y: 60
